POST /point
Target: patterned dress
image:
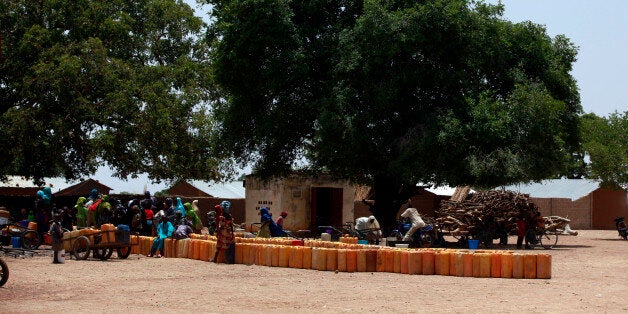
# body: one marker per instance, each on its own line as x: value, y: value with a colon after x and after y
x: 225, y: 233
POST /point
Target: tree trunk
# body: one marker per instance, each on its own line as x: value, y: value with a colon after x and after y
x: 389, y: 196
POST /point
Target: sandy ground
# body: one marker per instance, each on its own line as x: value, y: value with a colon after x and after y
x: 589, y: 274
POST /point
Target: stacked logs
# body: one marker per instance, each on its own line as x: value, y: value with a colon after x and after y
x: 485, y: 210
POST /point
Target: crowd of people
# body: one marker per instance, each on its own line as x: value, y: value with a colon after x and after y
x: 147, y: 216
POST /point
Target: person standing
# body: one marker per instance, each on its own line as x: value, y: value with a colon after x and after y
x: 169, y: 209
x: 224, y: 236
x: 42, y: 214
x: 103, y: 212
x: 193, y: 217
x: 149, y: 213
x: 81, y: 212
x: 180, y: 208
x: 521, y: 231
x: 56, y: 238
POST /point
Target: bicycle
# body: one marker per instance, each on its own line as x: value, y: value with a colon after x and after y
x: 540, y: 236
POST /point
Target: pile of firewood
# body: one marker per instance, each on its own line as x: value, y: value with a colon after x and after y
x: 485, y: 210
x: 559, y: 224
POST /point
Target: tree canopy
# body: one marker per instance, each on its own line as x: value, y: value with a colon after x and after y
x: 395, y: 92
x: 123, y: 83
x: 605, y: 141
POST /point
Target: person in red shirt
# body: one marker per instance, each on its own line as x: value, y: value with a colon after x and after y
x: 281, y: 218
x: 149, y: 219
x: 522, y: 228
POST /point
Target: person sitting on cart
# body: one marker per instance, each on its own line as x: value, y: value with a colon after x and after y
x: 164, y: 231
x: 416, y: 220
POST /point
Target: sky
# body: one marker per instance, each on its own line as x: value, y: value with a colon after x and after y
x: 598, y: 28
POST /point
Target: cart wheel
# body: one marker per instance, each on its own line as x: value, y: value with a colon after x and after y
x: 548, y: 240
x: 30, y: 240
x: 80, y: 248
x: 102, y: 253
x: 4, y: 273
x: 124, y: 252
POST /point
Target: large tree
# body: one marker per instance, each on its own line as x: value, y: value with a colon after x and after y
x: 605, y: 141
x: 391, y: 93
x: 121, y: 82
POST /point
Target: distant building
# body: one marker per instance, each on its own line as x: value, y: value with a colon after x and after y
x: 582, y: 201
x: 309, y: 201
x: 195, y: 188
x: 19, y: 192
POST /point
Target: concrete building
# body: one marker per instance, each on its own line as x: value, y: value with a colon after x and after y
x: 309, y: 201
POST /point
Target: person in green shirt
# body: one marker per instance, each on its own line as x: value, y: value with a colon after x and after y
x: 81, y: 212
x: 191, y: 214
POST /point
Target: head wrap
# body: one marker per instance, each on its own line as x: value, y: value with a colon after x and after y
x: 226, y: 206
x: 81, y: 201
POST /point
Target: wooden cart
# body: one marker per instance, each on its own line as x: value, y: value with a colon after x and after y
x: 102, y: 244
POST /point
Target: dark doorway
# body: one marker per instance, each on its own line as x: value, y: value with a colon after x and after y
x: 326, y: 206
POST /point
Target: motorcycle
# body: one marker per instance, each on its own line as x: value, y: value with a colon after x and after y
x: 427, y: 236
x: 620, y: 224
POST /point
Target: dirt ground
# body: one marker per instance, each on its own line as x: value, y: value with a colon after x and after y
x: 589, y: 274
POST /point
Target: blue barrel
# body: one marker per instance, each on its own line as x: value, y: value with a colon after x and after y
x: 474, y: 244
x: 15, y: 242
x: 123, y: 234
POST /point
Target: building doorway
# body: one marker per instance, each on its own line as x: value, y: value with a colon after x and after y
x: 326, y: 206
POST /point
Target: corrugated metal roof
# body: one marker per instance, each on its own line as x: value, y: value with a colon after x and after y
x: 233, y: 189
x: 55, y: 184
x: 559, y: 188
x: 444, y: 190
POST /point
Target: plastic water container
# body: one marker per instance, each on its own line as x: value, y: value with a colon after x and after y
x: 402, y: 245
x: 363, y: 242
x: 325, y: 236
x: 15, y: 242
x: 60, y: 257
x: 123, y: 234
x: 473, y: 244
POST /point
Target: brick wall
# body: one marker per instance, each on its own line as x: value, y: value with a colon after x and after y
x: 579, y: 211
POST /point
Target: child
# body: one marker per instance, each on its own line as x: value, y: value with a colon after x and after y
x: 56, y: 237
